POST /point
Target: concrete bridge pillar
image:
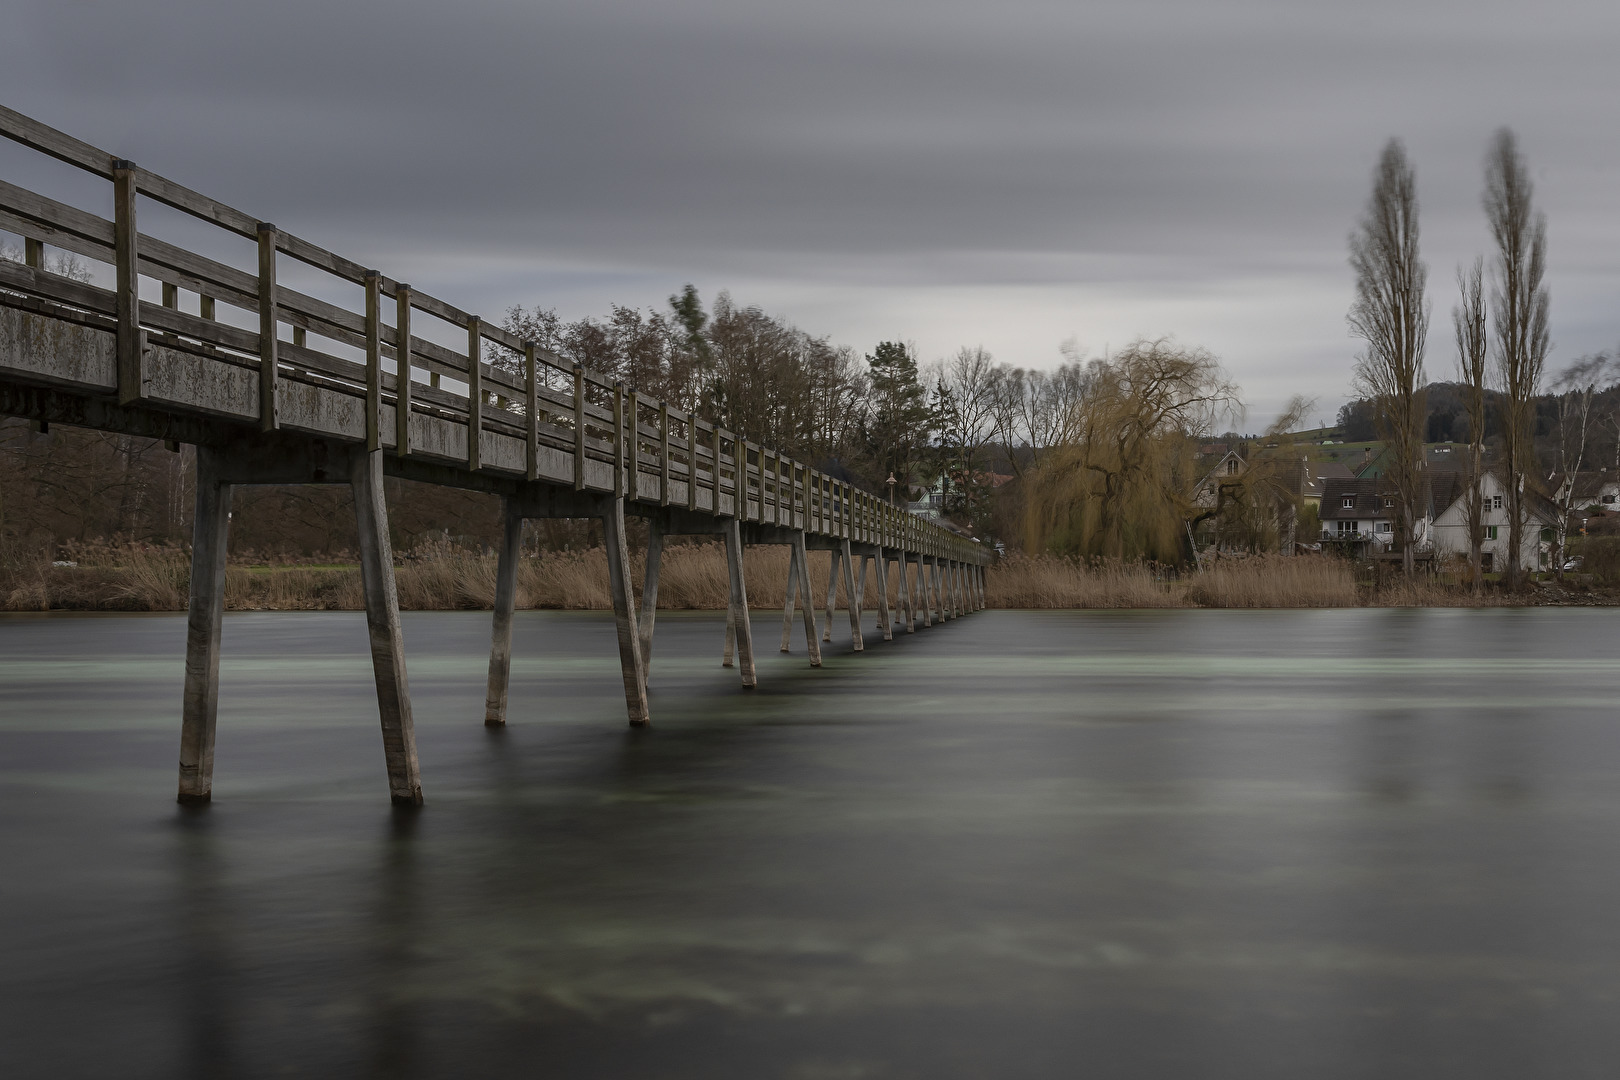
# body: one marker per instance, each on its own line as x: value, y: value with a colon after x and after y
x: 200, y: 705
x: 217, y: 471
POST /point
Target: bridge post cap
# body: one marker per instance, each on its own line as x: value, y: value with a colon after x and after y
x: 122, y: 163
x: 402, y: 287
x: 265, y: 227
x: 372, y: 274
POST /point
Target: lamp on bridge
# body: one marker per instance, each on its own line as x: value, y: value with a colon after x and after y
x: 891, y: 482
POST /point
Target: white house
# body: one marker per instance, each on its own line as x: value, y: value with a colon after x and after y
x: 1449, y: 532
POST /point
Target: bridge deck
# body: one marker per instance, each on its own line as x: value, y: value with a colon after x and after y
x: 275, y: 385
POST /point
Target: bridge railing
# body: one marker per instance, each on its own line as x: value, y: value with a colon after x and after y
x: 498, y: 383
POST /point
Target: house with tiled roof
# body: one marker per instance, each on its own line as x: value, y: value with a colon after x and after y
x: 1450, y: 529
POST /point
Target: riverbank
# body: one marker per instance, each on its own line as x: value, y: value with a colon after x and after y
x: 693, y: 577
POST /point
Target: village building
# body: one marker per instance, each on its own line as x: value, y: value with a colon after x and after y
x: 1450, y: 529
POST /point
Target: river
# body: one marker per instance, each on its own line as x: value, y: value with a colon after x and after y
x: 1352, y: 843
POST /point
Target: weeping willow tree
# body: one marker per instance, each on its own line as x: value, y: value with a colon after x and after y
x: 1259, y: 510
x: 1119, y: 485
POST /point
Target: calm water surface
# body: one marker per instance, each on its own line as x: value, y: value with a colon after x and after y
x: 1100, y: 844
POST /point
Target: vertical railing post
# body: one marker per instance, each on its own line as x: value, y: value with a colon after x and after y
x: 716, y: 476
x: 402, y: 370
x: 579, y: 428
x: 663, y: 451
x: 691, y: 461
x: 475, y: 393
x: 531, y: 412
x: 618, y: 440
x: 373, y: 360
x: 126, y: 262
x: 633, y: 448
x: 269, y: 355
x: 34, y: 253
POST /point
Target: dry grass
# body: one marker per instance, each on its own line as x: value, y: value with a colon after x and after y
x: 1274, y: 581
x: 131, y: 577
x: 1046, y: 581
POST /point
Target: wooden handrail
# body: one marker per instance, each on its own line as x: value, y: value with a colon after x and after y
x: 600, y: 421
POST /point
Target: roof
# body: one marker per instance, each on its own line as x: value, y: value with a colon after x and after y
x: 1437, y: 489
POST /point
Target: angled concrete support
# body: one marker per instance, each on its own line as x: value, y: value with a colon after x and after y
x: 624, y: 611
x: 200, y: 707
x: 790, y: 597
x: 925, y: 586
x: 880, y: 563
x: 737, y: 618
x: 854, y: 593
x: 649, y: 591
x: 383, y: 626
x: 837, y: 555
x: 500, y: 649
x: 801, y: 560
x: 907, y: 597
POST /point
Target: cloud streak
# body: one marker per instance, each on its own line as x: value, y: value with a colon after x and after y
x: 1011, y: 175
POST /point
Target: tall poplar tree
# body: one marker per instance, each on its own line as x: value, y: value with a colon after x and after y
x: 1519, y: 301
x: 1391, y: 315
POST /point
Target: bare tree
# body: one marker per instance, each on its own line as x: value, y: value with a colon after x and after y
x: 1468, y: 320
x: 1576, y: 386
x: 1391, y: 315
x: 1519, y: 317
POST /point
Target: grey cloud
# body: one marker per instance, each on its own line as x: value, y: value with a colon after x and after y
x: 922, y: 145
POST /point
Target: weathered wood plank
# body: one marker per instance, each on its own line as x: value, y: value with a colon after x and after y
x: 500, y: 650
x: 131, y: 382
x: 199, y: 709
x: 384, y: 629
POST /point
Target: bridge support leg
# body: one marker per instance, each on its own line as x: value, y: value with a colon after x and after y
x: 880, y: 564
x: 936, y: 581
x: 731, y: 637
x: 924, y: 586
x: 908, y: 612
x: 802, y: 556
x: 847, y: 564
x: 500, y: 649
x: 382, y: 623
x: 832, y: 591
x: 738, y: 617
x: 649, y: 593
x: 200, y: 706
x: 857, y: 594
x: 792, y: 593
x: 624, y: 611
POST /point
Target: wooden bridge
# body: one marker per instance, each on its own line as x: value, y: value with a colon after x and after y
x: 276, y: 386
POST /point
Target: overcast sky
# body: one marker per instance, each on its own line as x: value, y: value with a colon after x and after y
x: 1009, y: 175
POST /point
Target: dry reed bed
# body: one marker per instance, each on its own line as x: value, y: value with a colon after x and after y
x: 693, y: 577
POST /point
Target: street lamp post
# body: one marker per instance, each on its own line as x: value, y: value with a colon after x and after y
x: 891, y: 482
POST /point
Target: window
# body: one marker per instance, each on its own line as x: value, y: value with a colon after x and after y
x: 1608, y: 498
x: 1493, y: 502
x: 1388, y: 503
x: 1348, y: 502
x: 1231, y: 467
x: 1490, y: 532
x: 1384, y: 527
x: 1546, y: 536
x: 1346, y: 528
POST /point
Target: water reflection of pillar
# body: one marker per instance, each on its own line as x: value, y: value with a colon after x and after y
x: 391, y: 1032
x: 206, y: 971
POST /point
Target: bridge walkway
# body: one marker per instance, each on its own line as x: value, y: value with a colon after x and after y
x: 278, y: 385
